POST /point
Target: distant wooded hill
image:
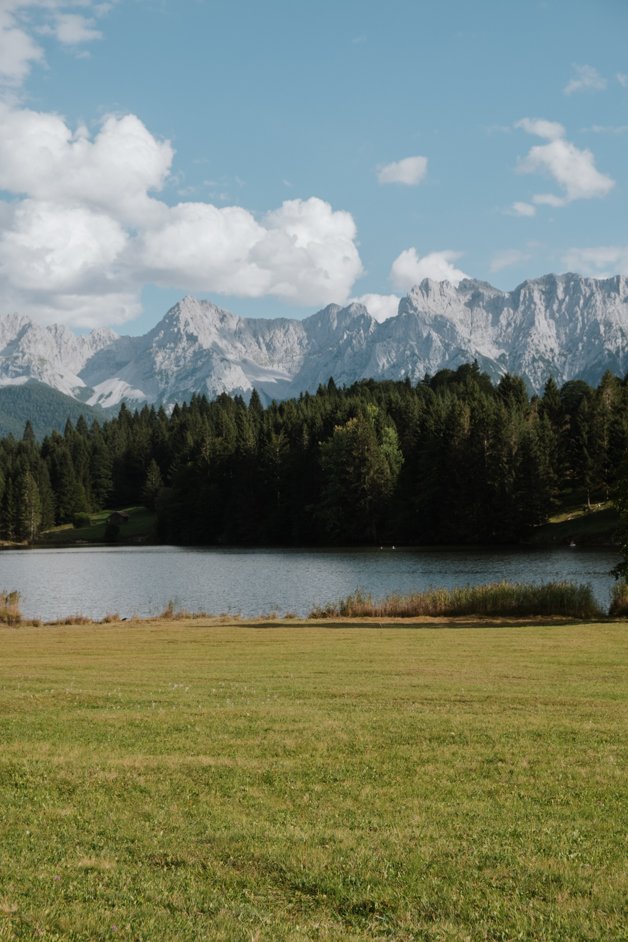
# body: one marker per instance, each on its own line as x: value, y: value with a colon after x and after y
x: 44, y: 407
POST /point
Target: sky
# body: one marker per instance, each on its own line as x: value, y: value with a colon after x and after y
x: 278, y: 156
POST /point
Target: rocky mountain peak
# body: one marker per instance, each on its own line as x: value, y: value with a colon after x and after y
x: 565, y: 325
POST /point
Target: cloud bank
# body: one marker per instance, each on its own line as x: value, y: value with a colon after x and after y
x: 84, y: 229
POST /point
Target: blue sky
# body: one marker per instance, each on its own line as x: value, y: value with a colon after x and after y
x: 278, y: 156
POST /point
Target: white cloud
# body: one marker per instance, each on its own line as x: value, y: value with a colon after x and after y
x: 551, y: 130
x: 18, y: 51
x: 585, y: 78
x: 410, y: 171
x: 83, y: 221
x: 599, y: 261
x: 20, y: 20
x: 409, y: 269
x: 507, y: 258
x: 303, y: 251
x: 622, y: 78
x: 71, y: 29
x: 83, y: 227
x: 520, y: 208
x: 573, y: 169
x: 40, y: 156
x: 48, y: 248
x: 380, y: 306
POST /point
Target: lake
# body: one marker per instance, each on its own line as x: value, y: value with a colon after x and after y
x: 95, y: 581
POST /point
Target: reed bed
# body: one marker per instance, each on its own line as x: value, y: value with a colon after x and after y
x: 619, y: 599
x: 498, y: 599
x: 10, y: 613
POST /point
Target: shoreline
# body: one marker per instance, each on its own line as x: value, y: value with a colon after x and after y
x: 189, y: 620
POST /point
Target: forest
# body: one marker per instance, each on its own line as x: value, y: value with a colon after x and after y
x: 454, y: 459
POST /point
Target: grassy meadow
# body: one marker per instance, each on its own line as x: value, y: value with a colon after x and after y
x: 140, y: 527
x: 191, y: 781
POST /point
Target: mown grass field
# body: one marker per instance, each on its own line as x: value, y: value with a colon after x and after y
x: 186, y: 781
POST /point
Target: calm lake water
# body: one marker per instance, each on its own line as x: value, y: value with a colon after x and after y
x: 94, y: 581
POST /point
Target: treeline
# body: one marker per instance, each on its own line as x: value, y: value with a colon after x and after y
x: 454, y: 459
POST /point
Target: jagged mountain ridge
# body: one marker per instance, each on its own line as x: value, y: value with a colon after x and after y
x: 566, y: 326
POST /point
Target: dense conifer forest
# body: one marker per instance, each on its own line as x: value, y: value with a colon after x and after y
x: 455, y: 459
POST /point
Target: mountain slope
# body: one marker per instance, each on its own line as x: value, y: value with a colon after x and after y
x: 566, y: 326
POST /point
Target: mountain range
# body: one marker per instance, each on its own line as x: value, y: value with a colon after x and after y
x: 566, y: 326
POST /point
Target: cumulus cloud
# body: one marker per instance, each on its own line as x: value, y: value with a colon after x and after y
x: 572, y: 168
x: 82, y: 227
x: 585, y: 78
x: 380, y: 306
x: 622, y: 78
x: 83, y: 219
x: 409, y: 269
x: 303, y: 251
x: 507, y: 258
x: 48, y: 248
x: 410, y: 171
x: 598, y: 261
x: 40, y: 156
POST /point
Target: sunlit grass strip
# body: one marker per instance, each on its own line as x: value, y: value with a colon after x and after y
x: 499, y: 599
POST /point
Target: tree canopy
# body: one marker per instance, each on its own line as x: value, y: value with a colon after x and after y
x: 453, y: 459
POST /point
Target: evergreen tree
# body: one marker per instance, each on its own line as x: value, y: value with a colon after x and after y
x: 152, y: 485
x: 29, y: 514
x: 361, y: 470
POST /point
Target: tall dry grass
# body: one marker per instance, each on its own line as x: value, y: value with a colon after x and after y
x: 10, y: 613
x: 619, y: 599
x: 494, y: 599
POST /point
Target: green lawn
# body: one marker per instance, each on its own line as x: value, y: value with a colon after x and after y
x: 185, y: 781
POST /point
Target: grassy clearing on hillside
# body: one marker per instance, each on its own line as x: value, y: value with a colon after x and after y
x: 139, y: 527
x: 498, y: 599
x: 180, y: 782
x: 596, y: 526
